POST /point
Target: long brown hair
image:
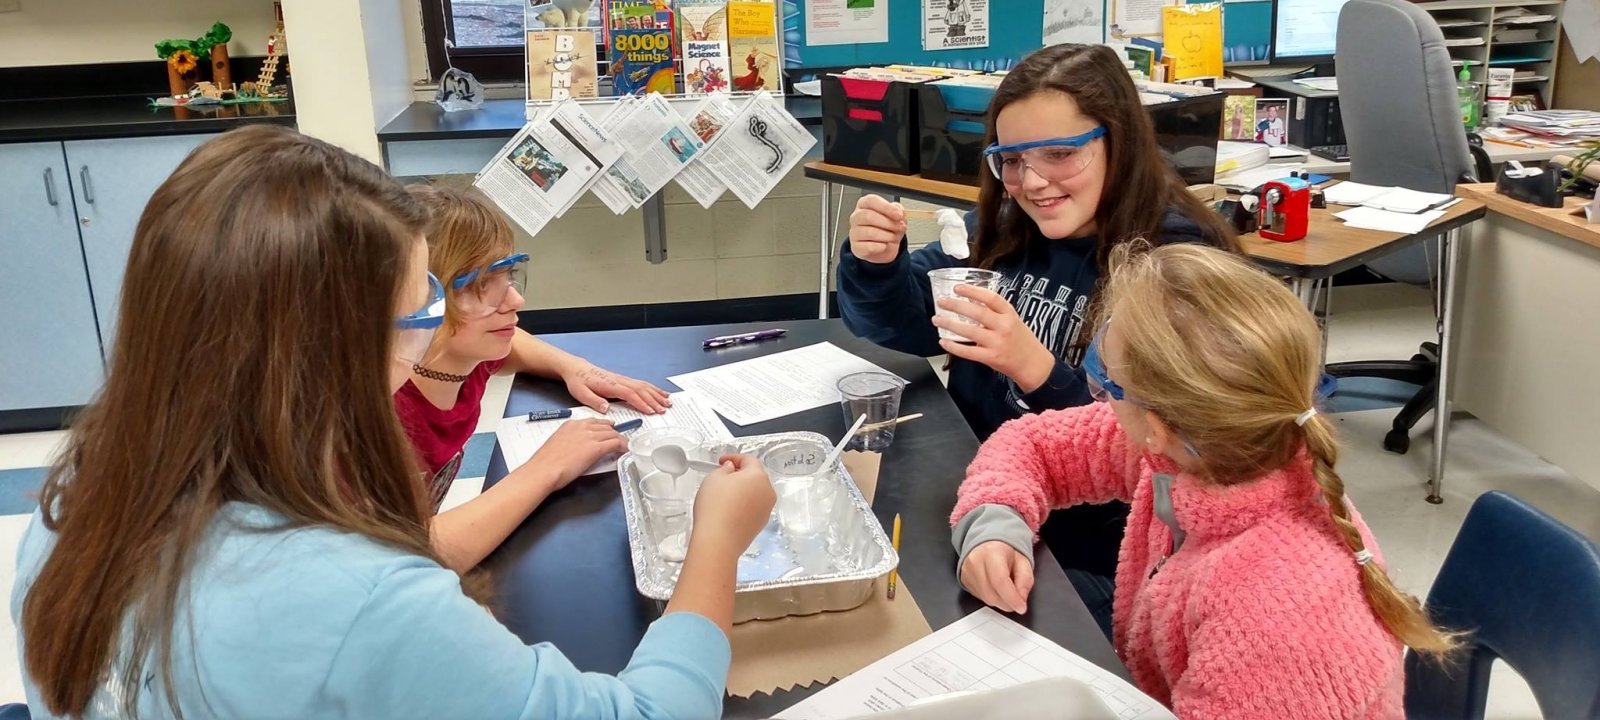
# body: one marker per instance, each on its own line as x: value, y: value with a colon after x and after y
x: 1228, y: 357
x: 250, y: 365
x: 465, y: 232
x: 1139, y: 185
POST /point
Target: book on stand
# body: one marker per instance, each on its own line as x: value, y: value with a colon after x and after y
x: 561, y: 64
x: 702, y: 20
x: 705, y: 67
x: 642, y: 62
x: 753, y: 46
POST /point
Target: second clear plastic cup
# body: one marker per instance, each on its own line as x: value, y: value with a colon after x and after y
x: 669, y: 507
x: 944, y: 282
x: 877, y: 396
x: 806, y: 490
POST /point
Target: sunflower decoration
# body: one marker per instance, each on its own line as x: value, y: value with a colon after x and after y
x: 184, y: 55
x: 183, y: 61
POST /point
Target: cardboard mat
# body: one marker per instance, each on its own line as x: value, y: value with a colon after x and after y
x: 774, y: 655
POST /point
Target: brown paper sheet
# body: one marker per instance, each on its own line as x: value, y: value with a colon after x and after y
x: 774, y: 655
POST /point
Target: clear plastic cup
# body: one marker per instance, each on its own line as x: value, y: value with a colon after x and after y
x: 669, y: 512
x: 644, y: 441
x: 877, y: 396
x: 944, y: 282
x: 807, y: 491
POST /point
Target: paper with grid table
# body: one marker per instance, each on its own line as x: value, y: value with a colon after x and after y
x: 981, y: 651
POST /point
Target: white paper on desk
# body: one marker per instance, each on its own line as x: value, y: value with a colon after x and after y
x: 1250, y: 179
x: 520, y: 439
x: 1400, y: 199
x: 1389, y: 221
x: 1285, y: 151
x: 982, y: 650
x: 772, y: 386
x: 1353, y: 193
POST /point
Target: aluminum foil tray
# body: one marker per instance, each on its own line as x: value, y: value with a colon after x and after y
x: 779, y: 575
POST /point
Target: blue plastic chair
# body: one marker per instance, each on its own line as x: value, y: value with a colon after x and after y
x: 1528, y: 590
x: 14, y: 711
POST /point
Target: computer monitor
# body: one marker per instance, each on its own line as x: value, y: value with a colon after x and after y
x: 1304, y: 30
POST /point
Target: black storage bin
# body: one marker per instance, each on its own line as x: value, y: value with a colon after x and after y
x: 951, y: 121
x: 1187, y: 130
x: 870, y: 124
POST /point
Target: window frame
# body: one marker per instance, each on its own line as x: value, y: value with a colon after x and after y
x: 493, y: 64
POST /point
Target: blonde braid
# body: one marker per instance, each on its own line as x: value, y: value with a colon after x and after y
x: 1401, y: 613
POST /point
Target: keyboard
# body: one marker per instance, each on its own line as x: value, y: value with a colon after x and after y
x: 1336, y: 153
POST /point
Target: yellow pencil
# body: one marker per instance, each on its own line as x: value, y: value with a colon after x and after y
x: 895, y: 573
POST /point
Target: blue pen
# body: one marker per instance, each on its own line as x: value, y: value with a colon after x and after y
x: 634, y: 424
x: 558, y: 414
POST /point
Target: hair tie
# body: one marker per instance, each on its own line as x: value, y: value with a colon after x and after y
x: 1363, y: 556
x: 1305, y: 417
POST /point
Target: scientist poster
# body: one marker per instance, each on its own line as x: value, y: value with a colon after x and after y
x: 955, y: 24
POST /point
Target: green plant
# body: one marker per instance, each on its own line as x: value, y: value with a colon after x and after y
x: 200, y: 46
x: 1589, y: 155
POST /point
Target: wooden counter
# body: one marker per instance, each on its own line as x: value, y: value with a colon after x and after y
x: 1560, y: 221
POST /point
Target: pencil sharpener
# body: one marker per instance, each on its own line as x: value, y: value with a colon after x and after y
x: 1284, y: 211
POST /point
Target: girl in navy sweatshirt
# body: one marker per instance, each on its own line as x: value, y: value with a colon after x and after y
x: 1072, y: 170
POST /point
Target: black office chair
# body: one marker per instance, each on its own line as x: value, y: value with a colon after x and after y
x: 1402, y: 122
x: 14, y: 711
x: 1527, y: 588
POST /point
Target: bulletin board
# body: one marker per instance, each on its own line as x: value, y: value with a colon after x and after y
x: 1016, y: 28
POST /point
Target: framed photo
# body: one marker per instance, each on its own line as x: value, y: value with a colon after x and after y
x: 1272, y: 121
x: 1239, y: 118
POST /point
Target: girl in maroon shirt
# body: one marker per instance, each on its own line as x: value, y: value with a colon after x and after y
x: 470, y: 251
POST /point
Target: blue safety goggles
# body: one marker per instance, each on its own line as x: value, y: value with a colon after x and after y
x: 1055, y: 160
x: 509, y: 264
x: 431, y: 315
x: 1103, y: 389
x: 415, y: 331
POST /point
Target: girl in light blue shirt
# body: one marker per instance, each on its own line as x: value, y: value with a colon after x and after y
x: 233, y: 529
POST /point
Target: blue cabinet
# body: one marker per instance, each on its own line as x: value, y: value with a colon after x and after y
x: 112, y: 180
x: 68, y: 212
x: 49, y: 344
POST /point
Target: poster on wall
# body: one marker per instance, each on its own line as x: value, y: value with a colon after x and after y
x: 1132, y: 18
x: 1074, y: 21
x: 846, y: 22
x: 955, y: 24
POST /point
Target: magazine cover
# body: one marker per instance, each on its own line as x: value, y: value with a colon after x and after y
x: 637, y: 15
x: 705, y: 67
x: 702, y: 20
x: 642, y: 62
x: 561, y: 64
x: 753, y: 46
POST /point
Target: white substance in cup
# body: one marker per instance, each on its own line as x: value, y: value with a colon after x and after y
x: 943, y: 282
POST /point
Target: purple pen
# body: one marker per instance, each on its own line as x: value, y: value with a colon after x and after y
x: 757, y: 336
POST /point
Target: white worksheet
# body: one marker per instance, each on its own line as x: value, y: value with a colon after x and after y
x: 981, y: 651
x: 772, y: 386
x: 520, y: 439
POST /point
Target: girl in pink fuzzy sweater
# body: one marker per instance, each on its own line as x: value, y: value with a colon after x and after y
x: 1246, y: 586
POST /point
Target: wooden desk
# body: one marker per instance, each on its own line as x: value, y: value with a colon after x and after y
x: 1330, y: 248
x: 1527, y: 345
